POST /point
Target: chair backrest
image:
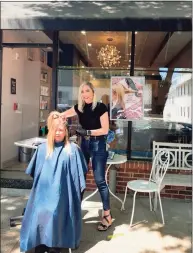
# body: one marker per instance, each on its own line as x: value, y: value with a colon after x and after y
x: 160, y: 166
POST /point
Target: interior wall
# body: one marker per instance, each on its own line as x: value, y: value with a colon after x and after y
x: 102, y: 87
x: 22, y: 123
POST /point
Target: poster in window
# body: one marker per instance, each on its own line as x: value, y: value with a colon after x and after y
x: 127, y: 98
x: 13, y: 86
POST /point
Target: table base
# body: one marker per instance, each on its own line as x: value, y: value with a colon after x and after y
x: 92, y: 194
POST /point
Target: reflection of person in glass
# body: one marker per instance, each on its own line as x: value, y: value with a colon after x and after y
x: 52, y: 219
x: 94, y: 121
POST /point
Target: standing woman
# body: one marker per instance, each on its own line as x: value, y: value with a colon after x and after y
x: 94, y: 121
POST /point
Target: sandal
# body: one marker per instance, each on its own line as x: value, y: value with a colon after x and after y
x: 41, y: 248
x: 104, y: 227
x: 54, y: 250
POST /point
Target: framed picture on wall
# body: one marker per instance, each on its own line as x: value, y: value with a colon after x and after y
x: 13, y: 86
x: 44, y: 76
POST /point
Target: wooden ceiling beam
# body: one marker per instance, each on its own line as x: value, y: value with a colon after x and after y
x: 179, y: 54
x: 161, y: 47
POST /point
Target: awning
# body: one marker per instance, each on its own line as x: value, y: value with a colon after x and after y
x: 97, y: 15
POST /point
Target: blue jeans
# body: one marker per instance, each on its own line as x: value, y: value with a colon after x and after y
x: 96, y: 150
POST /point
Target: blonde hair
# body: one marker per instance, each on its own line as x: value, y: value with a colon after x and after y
x: 81, y: 102
x: 120, y: 92
x: 54, y: 119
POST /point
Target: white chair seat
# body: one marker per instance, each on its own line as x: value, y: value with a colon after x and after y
x: 153, y: 185
x: 142, y: 186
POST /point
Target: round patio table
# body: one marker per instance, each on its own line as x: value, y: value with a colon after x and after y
x: 117, y: 159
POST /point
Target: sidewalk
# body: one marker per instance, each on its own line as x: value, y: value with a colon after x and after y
x: 146, y: 237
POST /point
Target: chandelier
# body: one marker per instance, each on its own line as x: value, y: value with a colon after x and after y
x: 109, y: 56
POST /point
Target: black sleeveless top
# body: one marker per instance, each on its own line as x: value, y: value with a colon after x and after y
x: 90, y: 119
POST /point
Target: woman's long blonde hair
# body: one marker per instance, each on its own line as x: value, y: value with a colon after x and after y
x: 81, y: 102
x: 54, y: 119
x: 119, y: 90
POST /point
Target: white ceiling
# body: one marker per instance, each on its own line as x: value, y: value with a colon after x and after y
x: 18, y: 36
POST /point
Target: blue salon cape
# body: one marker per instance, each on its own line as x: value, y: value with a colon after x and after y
x: 53, y: 212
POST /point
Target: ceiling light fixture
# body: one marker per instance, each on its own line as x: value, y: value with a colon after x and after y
x: 109, y: 56
x: 89, y: 44
x: 83, y: 32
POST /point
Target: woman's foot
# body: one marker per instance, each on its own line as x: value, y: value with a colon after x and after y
x: 106, y: 221
x: 54, y: 250
x: 41, y: 249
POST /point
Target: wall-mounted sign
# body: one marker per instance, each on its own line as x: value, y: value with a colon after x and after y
x: 127, y: 98
x: 43, y: 56
x: 13, y: 86
x: 30, y: 52
x: 44, y: 76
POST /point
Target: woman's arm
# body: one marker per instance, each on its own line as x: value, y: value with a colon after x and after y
x: 104, y: 119
x: 69, y: 113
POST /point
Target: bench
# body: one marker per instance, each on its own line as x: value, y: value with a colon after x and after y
x: 180, y: 166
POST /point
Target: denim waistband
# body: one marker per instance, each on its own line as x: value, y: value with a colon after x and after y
x: 102, y: 137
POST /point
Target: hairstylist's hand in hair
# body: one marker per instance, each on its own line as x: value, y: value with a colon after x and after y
x: 63, y: 117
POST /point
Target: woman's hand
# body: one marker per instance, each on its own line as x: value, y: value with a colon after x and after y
x: 68, y: 113
x: 81, y: 131
x: 63, y: 117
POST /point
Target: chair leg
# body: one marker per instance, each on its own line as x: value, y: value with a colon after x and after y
x: 161, y: 208
x: 133, y: 209
x: 123, y: 205
x: 155, y: 201
x: 150, y: 201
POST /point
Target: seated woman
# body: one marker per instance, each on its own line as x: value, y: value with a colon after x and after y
x: 52, y: 218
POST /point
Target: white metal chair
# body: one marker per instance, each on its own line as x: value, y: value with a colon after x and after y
x: 154, y: 184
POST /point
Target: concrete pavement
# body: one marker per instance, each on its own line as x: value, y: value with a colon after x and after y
x: 147, y: 236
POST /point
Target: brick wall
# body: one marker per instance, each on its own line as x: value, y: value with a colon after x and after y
x: 139, y: 169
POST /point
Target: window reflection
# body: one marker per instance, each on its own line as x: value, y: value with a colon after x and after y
x: 169, y: 118
x: 167, y: 106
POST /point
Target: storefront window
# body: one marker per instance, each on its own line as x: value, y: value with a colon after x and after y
x: 69, y: 80
x: 167, y: 109
x: 166, y: 93
x: 169, y: 117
